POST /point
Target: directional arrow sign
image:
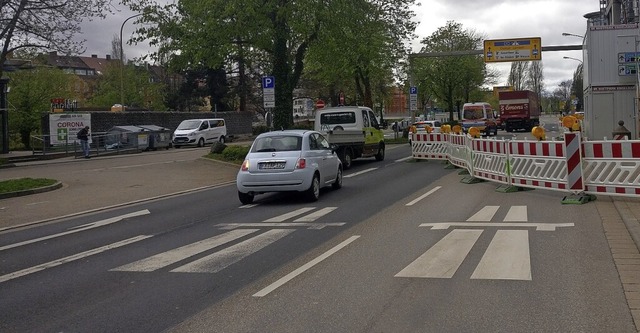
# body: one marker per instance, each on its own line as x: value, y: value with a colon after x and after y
x: 524, y: 49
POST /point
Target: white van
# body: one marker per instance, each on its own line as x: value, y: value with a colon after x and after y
x: 199, y: 132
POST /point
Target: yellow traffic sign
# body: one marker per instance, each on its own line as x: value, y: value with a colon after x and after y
x: 521, y: 49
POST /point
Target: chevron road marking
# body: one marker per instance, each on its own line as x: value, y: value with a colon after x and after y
x: 506, y: 258
x: 164, y: 259
x: 316, y: 215
x: 289, y: 215
x: 220, y: 260
x: 443, y: 259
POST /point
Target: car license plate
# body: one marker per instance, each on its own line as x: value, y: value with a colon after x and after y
x: 271, y: 165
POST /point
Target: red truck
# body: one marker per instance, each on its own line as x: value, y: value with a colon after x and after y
x: 519, y: 110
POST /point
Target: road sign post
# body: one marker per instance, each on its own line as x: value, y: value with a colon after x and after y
x: 269, y: 91
x: 413, y: 101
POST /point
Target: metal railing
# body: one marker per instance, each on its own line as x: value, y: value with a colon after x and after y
x: 100, y: 144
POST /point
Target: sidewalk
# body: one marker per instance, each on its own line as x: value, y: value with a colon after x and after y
x: 109, y: 181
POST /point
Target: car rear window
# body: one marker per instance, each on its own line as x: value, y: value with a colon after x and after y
x: 277, y: 143
x: 334, y: 118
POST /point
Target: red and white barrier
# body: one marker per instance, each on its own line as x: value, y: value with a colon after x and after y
x: 432, y: 146
x: 538, y: 164
x: 459, y: 151
x: 612, y: 167
x: 571, y: 165
x: 489, y: 159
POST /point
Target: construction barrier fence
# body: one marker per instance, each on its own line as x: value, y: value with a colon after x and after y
x: 571, y: 165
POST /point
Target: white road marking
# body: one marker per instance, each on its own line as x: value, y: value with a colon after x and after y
x: 506, y: 258
x: 538, y: 226
x: 231, y: 226
x: 248, y: 206
x: 516, y: 214
x: 359, y: 173
x: 79, y: 228
x: 289, y: 215
x: 423, y: 196
x: 443, y: 259
x: 316, y: 215
x: 485, y: 214
x: 304, y: 268
x: 71, y: 258
x: 167, y: 258
x: 37, y: 203
x: 220, y: 260
x: 404, y: 159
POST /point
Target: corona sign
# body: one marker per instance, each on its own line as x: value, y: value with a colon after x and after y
x: 502, y: 50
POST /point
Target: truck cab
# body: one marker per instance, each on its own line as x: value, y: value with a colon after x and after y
x: 481, y: 116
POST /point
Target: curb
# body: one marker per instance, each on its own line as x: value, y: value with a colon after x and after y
x: 55, y: 186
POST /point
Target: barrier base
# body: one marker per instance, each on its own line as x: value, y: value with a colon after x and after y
x: 578, y: 199
x: 512, y: 188
x: 449, y: 166
x: 471, y: 180
x: 463, y: 172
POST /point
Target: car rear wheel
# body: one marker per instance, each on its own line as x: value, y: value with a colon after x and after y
x: 380, y: 154
x: 313, y: 193
x: 347, y: 158
x: 338, y: 183
x: 222, y: 139
x: 245, y: 198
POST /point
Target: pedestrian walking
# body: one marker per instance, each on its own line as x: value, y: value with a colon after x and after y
x: 83, y: 136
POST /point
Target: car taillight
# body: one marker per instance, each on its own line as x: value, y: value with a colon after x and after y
x: 301, y: 164
x: 245, y: 165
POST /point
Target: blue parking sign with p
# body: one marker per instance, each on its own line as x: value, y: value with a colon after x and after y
x: 268, y: 82
x: 413, y: 90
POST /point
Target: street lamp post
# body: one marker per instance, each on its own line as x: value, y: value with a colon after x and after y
x: 122, y: 62
x: 576, y: 59
x: 573, y: 35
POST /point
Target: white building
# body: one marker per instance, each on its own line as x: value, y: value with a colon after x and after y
x: 611, y: 59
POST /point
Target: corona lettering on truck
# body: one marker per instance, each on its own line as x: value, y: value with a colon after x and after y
x: 481, y: 116
x: 519, y: 109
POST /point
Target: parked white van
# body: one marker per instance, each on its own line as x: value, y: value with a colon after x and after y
x: 199, y: 132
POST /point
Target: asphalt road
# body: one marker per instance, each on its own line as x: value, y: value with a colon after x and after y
x: 385, y: 253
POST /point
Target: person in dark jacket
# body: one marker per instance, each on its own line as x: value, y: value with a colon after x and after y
x: 83, y: 136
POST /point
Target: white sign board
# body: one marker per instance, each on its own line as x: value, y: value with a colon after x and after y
x: 269, y: 91
x: 64, y: 127
x: 413, y: 98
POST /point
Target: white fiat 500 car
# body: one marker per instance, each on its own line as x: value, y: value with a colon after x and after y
x: 289, y: 160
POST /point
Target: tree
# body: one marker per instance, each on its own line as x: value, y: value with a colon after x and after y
x: 535, y: 77
x: 451, y: 79
x: 31, y: 93
x: 139, y: 92
x: 518, y: 75
x: 576, y: 87
x: 45, y: 24
x: 364, y: 52
x: 563, y: 94
x: 274, y: 36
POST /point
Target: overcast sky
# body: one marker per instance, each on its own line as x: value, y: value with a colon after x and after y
x: 495, y: 19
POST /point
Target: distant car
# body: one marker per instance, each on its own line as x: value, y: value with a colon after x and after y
x: 421, y: 127
x: 289, y: 161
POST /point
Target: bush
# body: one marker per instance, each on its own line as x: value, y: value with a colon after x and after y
x: 235, y: 153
